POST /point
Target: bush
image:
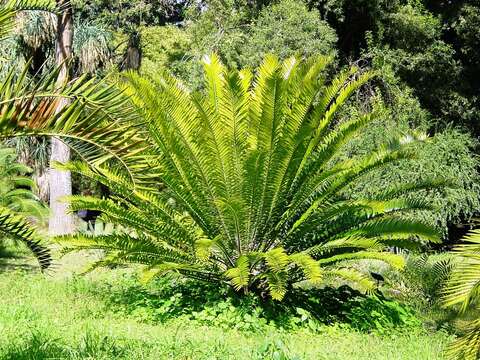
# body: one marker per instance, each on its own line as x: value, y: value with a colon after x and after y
x: 448, y: 155
x: 379, y: 314
x: 167, y: 299
x: 164, y: 47
x: 240, y: 36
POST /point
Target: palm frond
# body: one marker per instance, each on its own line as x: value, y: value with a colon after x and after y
x: 16, y: 227
x: 9, y: 9
x: 463, y: 287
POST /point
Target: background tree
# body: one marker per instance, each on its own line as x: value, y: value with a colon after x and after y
x: 127, y: 17
x: 60, y: 182
x: 33, y: 40
x: 426, y: 42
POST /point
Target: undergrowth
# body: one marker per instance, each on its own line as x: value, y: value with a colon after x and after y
x: 109, y: 315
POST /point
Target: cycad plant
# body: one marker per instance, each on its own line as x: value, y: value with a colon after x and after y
x: 462, y: 293
x: 245, y: 184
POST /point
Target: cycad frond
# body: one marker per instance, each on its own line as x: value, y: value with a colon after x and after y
x: 462, y: 290
x: 351, y: 277
x: 394, y: 260
x: 310, y: 267
x: 463, y: 287
x: 240, y: 274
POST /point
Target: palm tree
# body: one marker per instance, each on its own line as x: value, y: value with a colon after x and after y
x: 34, y: 37
x: 13, y: 225
x: 60, y: 182
x: 462, y: 293
x: 245, y: 184
x: 29, y: 107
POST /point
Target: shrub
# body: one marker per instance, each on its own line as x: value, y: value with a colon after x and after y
x: 167, y: 299
x: 375, y: 313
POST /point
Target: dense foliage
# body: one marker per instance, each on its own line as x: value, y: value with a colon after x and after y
x: 423, y: 52
x: 171, y: 298
x: 255, y: 191
x: 271, y: 179
x: 425, y: 84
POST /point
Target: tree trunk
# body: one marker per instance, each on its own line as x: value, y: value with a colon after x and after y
x: 60, y: 181
x: 41, y: 178
x: 132, y: 58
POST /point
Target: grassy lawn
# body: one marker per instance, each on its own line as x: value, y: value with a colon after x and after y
x: 56, y: 317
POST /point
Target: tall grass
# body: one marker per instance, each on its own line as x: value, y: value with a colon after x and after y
x: 44, y: 317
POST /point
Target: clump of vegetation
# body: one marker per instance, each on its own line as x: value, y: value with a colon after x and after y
x: 168, y: 299
x: 254, y: 187
x: 243, y: 188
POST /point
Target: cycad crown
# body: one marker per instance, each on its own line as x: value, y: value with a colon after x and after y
x: 252, y: 188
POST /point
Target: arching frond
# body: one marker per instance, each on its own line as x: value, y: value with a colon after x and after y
x: 463, y: 287
x: 98, y: 124
x: 352, y: 277
x: 16, y: 227
x: 310, y: 267
x: 394, y: 260
x: 462, y: 291
x: 466, y: 347
x: 9, y: 8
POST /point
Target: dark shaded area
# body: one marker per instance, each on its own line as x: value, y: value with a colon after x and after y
x: 204, y: 302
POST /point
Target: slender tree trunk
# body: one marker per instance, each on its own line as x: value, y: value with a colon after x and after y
x: 41, y: 178
x: 60, y: 181
x: 133, y: 56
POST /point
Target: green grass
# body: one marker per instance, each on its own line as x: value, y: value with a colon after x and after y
x: 53, y: 317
